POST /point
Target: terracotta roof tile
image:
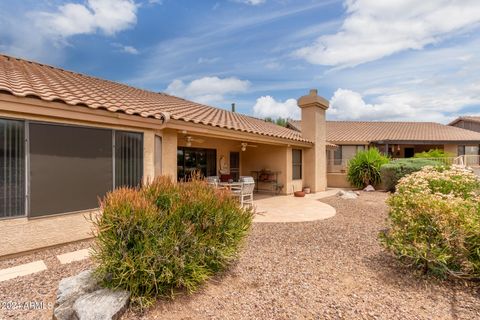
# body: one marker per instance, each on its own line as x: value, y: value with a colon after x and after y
x: 24, y: 78
x: 370, y: 131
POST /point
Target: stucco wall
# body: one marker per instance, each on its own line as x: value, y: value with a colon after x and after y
x: 337, y: 180
x: 451, y: 148
x: 169, y: 153
x: 22, y: 234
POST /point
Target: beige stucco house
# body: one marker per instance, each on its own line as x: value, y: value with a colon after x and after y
x: 66, y: 139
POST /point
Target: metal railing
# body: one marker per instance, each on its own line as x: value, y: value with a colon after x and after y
x: 341, y: 165
x: 468, y: 160
x: 444, y: 160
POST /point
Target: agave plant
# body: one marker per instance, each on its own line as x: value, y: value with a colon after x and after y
x: 364, y: 168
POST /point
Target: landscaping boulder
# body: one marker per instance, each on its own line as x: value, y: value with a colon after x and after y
x: 369, y: 188
x: 81, y: 298
x: 103, y: 304
x: 69, y: 289
x: 347, y: 194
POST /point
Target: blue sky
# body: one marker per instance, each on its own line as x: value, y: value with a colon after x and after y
x: 374, y: 60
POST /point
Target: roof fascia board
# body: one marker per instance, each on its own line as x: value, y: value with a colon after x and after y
x: 18, y: 106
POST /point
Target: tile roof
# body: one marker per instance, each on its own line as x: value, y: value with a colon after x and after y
x: 369, y: 131
x: 467, y: 118
x: 26, y: 79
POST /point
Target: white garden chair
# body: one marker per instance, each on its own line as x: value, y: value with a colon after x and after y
x: 245, y: 192
x: 213, y: 180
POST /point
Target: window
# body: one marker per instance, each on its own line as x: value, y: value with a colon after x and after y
x: 468, y: 150
x: 70, y: 167
x: 192, y: 160
x: 158, y: 156
x: 296, y: 164
x: 235, y: 165
x: 128, y: 159
x: 337, y: 156
x: 12, y: 168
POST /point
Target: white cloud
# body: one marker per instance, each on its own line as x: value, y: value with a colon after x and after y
x: 130, y: 50
x: 400, y: 105
x: 374, y: 29
x: 203, y: 60
x: 208, y: 90
x: 106, y: 16
x: 253, y: 2
x: 266, y: 106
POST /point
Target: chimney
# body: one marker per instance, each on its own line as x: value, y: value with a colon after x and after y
x: 233, y: 107
x: 314, y: 129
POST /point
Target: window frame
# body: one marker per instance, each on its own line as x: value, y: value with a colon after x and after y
x: 298, y: 164
x: 27, y: 162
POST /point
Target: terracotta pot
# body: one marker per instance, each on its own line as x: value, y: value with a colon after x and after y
x: 299, y: 194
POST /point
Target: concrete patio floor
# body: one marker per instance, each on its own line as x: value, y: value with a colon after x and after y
x: 293, y: 209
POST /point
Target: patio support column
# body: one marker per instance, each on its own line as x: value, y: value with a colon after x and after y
x: 169, y: 153
x: 314, y: 129
x: 148, y: 156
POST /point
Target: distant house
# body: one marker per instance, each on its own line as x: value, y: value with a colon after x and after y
x: 397, y: 139
x: 467, y: 122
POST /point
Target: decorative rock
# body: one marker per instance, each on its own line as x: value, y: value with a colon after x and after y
x: 103, y: 304
x: 80, y: 298
x: 347, y: 194
x: 369, y: 188
x: 72, y: 287
x: 69, y: 290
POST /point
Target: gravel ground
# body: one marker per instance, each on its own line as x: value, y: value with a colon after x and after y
x: 329, y: 269
x: 40, y: 287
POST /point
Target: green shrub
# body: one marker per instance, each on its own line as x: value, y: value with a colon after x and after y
x: 435, y: 221
x: 166, y: 237
x: 433, y: 153
x: 392, y: 172
x: 364, y: 168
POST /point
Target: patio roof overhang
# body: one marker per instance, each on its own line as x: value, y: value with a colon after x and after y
x: 231, y: 134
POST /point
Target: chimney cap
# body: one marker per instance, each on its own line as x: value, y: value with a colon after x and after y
x: 313, y: 100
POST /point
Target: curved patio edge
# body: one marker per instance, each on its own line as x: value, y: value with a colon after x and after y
x: 292, y: 209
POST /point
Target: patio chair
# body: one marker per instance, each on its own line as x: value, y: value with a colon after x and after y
x: 212, y: 180
x: 245, y: 193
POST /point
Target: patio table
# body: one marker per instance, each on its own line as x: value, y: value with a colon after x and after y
x: 229, y: 185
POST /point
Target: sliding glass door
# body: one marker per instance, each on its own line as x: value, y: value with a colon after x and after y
x: 196, y: 160
x: 12, y: 168
x: 48, y: 169
x: 128, y: 159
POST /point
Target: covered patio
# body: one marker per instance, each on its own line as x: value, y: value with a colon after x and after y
x: 276, y: 167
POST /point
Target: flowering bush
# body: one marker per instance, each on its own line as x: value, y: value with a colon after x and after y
x: 435, y: 221
x: 167, y: 236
